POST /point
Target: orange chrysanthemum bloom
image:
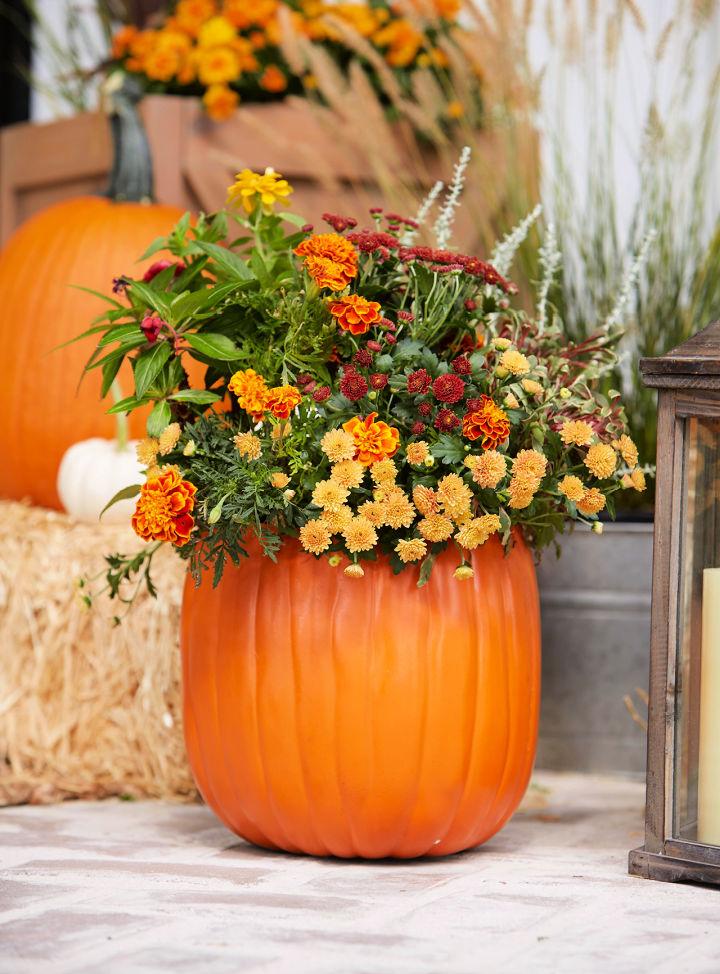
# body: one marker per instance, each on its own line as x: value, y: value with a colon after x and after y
x: 383, y: 472
x: 592, y: 501
x: 348, y: 473
x: 436, y: 527
x: 220, y: 102
x: 359, y: 535
x: 576, y: 432
x: 488, y: 423
x: 601, y: 461
x: 355, y: 313
x: 273, y: 79
x: 315, y: 537
x: 417, y: 453
x: 627, y: 450
x: 251, y: 391
x: 411, y: 550
x: 572, y: 488
x: 373, y: 441
x: 374, y: 511
x: 488, y: 469
x: 330, y: 260
x: 281, y: 400
x: 425, y: 500
x: 399, y: 511
x: 476, y: 532
x: 164, y: 508
x: 248, y: 445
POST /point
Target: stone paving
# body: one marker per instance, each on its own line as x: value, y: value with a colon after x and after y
x: 145, y: 887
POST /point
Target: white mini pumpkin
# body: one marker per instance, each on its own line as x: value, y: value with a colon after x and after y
x: 91, y: 473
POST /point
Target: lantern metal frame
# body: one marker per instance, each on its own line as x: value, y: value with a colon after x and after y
x: 688, y: 383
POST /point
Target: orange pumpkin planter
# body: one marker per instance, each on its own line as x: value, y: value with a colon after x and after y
x: 363, y: 718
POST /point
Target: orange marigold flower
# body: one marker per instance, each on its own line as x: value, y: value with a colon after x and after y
x: 122, y: 40
x: 215, y: 32
x: 572, y: 488
x: 592, y: 501
x: 601, y: 461
x: 218, y: 66
x: 272, y: 79
x: 164, y: 508
x: 330, y: 259
x: 315, y: 536
x: 220, y: 102
x: 373, y: 441
x: 282, y: 400
x: 411, y: 550
x: 576, y: 432
x: 251, y: 391
x: 359, y: 535
x: 488, y: 469
x: 488, y: 423
x: 355, y: 313
x: 436, y: 527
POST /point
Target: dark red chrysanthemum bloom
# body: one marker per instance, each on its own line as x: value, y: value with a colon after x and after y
x: 449, y: 388
x: 425, y: 408
x: 304, y: 378
x: 471, y: 265
x: 369, y: 241
x: 375, y: 210
x: 397, y: 218
x: 378, y: 380
x: 386, y: 323
x: 307, y: 228
x: 446, y: 421
x: 406, y: 316
x: 353, y: 386
x: 417, y: 428
x: 339, y: 223
x: 419, y: 381
x: 461, y: 365
x: 391, y: 339
x: 373, y: 346
x: 472, y: 404
x: 151, y: 326
x: 321, y: 393
x: 363, y: 358
x: 470, y: 304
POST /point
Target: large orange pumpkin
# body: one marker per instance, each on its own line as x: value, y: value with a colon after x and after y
x: 363, y: 717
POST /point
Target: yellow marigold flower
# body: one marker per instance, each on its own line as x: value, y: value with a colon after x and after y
x: 572, y: 488
x: 592, y: 501
x: 627, y: 450
x: 637, y: 478
x: 464, y: 573
x: 532, y: 387
x: 279, y: 480
x: 248, y: 445
x: 147, y: 450
x: 399, y: 511
x: 383, y: 472
x: 215, y: 32
x: 374, y: 511
x: 530, y: 462
x: 353, y: 571
x: 360, y: 535
x: 337, y: 520
x: 349, y: 473
x: 425, y: 500
x: 488, y: 469
x: 577, y: 432
x: 436, y: 527
x: 601, y: 461
x: 474, y: 533
x: 416, y: 452
x: 315, y: 537
x: 270, y: 187
x: 411, y: 550
x: 329, y: 494
x: 168, y: 439
x: 515, y: 362
x: 338, y: 445
x: 217, y: 66
x: 220, y: 102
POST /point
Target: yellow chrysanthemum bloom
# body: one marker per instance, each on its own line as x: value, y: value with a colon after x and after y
x: 215, y: 32
x: 217, y: 66
x: 453, y: 493
x: 338, y: 445
x: 416, y: 453
x: 279, y: 480
x: 315, y: 537
x: 354, y: 571
x: 627, y: 450
x: 168, y: 439
x: 338, y: 519
x: 532, y: 387
x: 425, y: 499
x: 530, y: 462
x: 349, y: 473
x: 411, y: 550
x: 511, y: 401
x: 383, y: 472
x: 488, y: 469
x: 572, y: 488
x: 515, y: 362
x: 270, y: 187
x: 248, y: 445
x: 359, y: 535
x: 601, y: 461
x: 146, y: 451
x: 576, y: 432
x: 592, y: 501
x: 399, y: 511
x: 374, y: 512
x: 522, y: 492
x: 464, y: 573
x: 436, y: 527
x: 637, y: 479
x: 329, y: 495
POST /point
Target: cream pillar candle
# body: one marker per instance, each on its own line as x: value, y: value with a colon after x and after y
x: 709, y: 757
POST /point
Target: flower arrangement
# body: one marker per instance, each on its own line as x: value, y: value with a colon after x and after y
x: 230, y: 49
x: 365, y: 394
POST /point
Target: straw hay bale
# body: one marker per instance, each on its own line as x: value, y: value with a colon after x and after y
x: 87, y: 709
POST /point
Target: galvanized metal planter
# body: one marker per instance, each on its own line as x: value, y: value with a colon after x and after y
x: 595, y: 602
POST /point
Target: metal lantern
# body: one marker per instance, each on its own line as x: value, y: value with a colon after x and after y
x: 682, y: 822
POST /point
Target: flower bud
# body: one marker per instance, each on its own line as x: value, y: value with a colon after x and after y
x: 501, y: 372
x: 150, y: 326
x: 288, y: 495
x: 597, y: 527
x: 463, y: 573
x: 502, y: 343
x: 354, y: 571
x: 565, y: 393
x: 189, y: 448
x: 334, y: 560
x: 429, y: 461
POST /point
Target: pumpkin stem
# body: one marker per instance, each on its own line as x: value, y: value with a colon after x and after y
x: 121, y: 420
x: 131, y: 178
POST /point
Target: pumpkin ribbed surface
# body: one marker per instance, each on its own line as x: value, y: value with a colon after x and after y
x: 85, y: 241
x: 363, y: 717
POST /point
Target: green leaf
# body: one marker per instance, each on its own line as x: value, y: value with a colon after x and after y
x: 192, y: 302
x: 149, y: 297
x: 158, y: 418
x: 149, y: 365
x: 226, y: 261
x: 159, y: 243
x: 214, y: 346
x: 109, y: 371
x: 425, y: 570
x: 449, y: 449
x: 97, y: 294
x: 120, y: 332
x: 201, y: 397
x: 122, y: 495
x: 125, y: 405
x: 297, y: 221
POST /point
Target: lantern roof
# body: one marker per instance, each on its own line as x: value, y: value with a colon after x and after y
x: 694, y: 363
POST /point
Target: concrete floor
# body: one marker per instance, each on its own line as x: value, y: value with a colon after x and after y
x: 147, y: 887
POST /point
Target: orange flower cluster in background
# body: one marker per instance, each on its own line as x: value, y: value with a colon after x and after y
x: 223, y: 49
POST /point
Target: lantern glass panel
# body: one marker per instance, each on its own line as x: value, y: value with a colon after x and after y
x: 696, y: 791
